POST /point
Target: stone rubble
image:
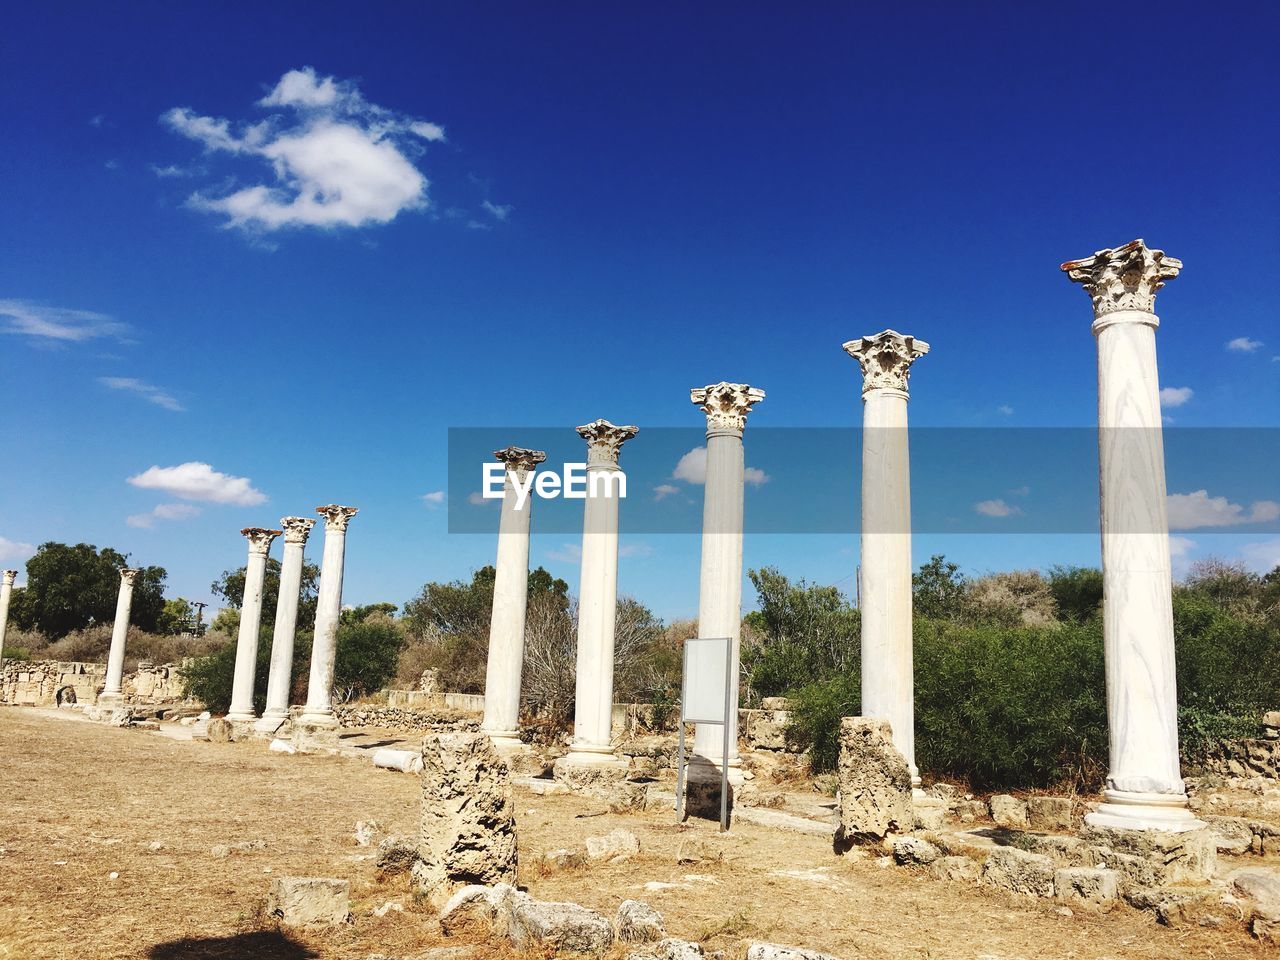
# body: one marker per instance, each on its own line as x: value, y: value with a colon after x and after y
x: 309, y: 901
x: 874, y: 783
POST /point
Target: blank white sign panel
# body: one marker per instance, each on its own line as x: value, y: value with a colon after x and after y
x: 706, y: 663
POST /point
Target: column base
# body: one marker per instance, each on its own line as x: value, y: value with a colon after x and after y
x: 110, y: 701
x: 242, y: 716
x: 319, y: 720
x: 504, y: 740
x: 1128, y: 810
x: 591, y: 755
x: 268, y: 723
x: 701, y: 770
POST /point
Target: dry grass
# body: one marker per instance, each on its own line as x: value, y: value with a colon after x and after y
x: 82, y: 801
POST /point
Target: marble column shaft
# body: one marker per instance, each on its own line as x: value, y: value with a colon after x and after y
x: 505, y: 666
x: 324, y: 648
x: 598, y: 596
x: 296, y: 530
x: 246, y: 668
x: 888, y: 682
x: 7, y: 577
x: 1144, y: 788
x: 726, y: 406
x: 113, y: 691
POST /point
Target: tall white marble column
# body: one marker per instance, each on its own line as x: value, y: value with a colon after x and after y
x: 246, y: 669
x: 888, y: 685
x: 598, y: 595
x: 1144, y: 788
x: 726, y: 406
x: 296, y: 530
x: 324, y: 648
x: 113, y: 692
x: 7, y: 577
x: 510, y: 598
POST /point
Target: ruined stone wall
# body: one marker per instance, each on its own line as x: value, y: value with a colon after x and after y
x: 46, y: 683
x: 439, y: 720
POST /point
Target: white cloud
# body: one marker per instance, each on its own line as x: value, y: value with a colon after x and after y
x: 664, y: 490
x: 1021, y: 491
x: 1005, y: 409
x: 635, y: 550
x: 1187, y: 511
x: 11, y: 551
x: 57, y: 323
x: 165, y: 511
x: 692, y: 468
x: 173, y: 170
x: 478, y: 499
x: 434, y: 498
x: 1180, y: 554
x: 1263, y: 556
x: 145, y: 390
x: 97, y: 120
x: 995, y: 508
x: 336, y: 159
x: 1243, y: 345
x: 499, y: 211
x: 199, y: 481
x: 568, y: 553
x: 1175, y: 396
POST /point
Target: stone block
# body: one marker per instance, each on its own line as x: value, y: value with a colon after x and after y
x: 397, y: 854
x: 560, y: 927
x: 1155, y: 858
x: 970, y: 811
x: 913, y: 850
x: 637, y: 922
x: 1232, y: 835
x: 479, y: 905
x: 874, y: 783
x: 669, y: 949
x: 616, y: 845
x: 309, y: 901
x: 930, y: 813
x: 1049, y: 814
x: 955, y: 868
x: 1019, y: 872
x: 1088, y: 885
x: 1008, y: 811
x: 776, y: 951
x: 1261, y: 887
x: 368, y: 832
x: 468, y: 823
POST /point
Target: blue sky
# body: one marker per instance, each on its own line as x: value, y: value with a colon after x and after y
x: 299, y: 244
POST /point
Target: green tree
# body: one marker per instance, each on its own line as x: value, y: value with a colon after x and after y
x: 362, y: 613
x: 176, y: 617
x: 368, y: 652
x: 1077, y: 592
x: 71, y: 587
x: 230, y: 586
x: 938, y: 590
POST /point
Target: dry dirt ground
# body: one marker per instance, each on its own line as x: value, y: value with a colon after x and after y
x: 83, y: 803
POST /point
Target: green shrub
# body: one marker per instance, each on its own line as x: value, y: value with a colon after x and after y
x: 816, y: 710
x: 368, y: 652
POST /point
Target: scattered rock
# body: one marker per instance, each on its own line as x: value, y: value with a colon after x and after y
x: 1155, y: 858
x: 155, y: 846
x: 875, y: 783
x: 282, y: 746
x: 220, y: 730
x: 309, y: 901
x: 220, y: 851
x: 1261, y: 886
x: 560, y: 926
x: 930, y: 813
x: 615, y: 845
x: 775, y: 951
x: 1230, y: 834
x: 368, y: 832
x: 1008, y: 811
x: 468, y: 823
x: 637, y: 922
x: 968, y: 811
x: 955, y: 868
x: 1019, y: 872
x: 1091, y: 885
x: 1049, y: 814
x: 913, y: 850
x: 697, y: 851
x: 478, y: 904
x: 669, y: 949
x: 387, y: 907
x: 396, y: 854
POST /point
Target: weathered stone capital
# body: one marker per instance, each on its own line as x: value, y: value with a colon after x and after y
x: 128, y: 575
x: 885, y: 359
x: 336, y: 517
x: 604, y: 441
x: 259, y: 538
x: 296, y: 529
x: 1125, y: 278
x: 9, y: 577
x: 726, y: 405
x: 519, y: 460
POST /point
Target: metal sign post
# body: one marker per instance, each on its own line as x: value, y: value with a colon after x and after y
x: 706, y: 696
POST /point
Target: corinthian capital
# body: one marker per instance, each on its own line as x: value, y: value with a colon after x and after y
x: 604, y: 441
x: 259, y: 538
x: 885, y: 359
x: 726, y: 405
x: 1125, y: 278
x: 9, y: 577
x: 519, y: 460
x: 296, y: 529
x: 336, y: 517
x: 128, y: 574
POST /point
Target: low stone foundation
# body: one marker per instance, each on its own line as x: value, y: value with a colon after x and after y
x: 51, y: 683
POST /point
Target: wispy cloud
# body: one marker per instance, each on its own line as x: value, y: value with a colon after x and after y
x: 996, y: 508
x: 199, y: 481
x: 434, y: 498
x: 13, y: 551
x: 165, y: 511
x: 57, y: 324
x: 567, y: 553
x: 1189, y: 511
x: 152, y: 394
x: 499, y: 211
x: 1263, y: 556
x: 692, y: 468
x: 336, y: 160
x: 664, y: 490
x: 1244, y: 345
x: 1175, y: 396
x: 1005, y: 409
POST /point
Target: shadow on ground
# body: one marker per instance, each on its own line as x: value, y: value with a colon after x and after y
x: 258, y: 945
